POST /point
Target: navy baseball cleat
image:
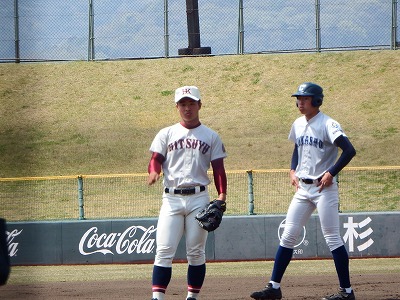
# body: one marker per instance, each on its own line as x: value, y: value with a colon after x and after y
x: 341, y: 295
x: 268, y: 293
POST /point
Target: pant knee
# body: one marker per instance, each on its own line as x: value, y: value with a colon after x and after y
x: 165, y: 262
x: 197, y: 258
x: 288, y: 240
x: 333, y: 241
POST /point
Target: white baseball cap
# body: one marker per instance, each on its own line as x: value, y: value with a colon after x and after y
x: 188, y: 91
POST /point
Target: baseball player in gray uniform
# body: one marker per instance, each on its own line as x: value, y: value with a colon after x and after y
x: 314, y: 166
x: 184, y: 152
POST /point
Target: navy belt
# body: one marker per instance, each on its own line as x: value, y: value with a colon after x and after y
x: 310, y: 181
x: 185, y: 191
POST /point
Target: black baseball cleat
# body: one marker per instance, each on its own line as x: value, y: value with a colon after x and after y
x: 341, y: 295
x: 268, y: 293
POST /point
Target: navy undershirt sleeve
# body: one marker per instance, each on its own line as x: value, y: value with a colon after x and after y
x: 348, y: 152
x: 295, y: 158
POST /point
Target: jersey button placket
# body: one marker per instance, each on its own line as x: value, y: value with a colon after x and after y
x: 306, y: 154
x: 188, y: 164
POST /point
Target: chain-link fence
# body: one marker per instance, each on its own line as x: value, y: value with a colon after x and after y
x: 129, y: 196
x: 33, y: 30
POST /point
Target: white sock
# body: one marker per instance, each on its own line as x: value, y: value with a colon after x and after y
x: 192, y: 295
x: 275, y: 285
x: 158, y: 295
x: 348, y: 290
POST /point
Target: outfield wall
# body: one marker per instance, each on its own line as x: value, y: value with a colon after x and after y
x: 239, y: 238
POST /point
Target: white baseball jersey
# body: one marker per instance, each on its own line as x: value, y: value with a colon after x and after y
x: 188, y: 154
x: 315, y: 142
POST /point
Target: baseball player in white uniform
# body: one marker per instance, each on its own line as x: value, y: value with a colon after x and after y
x: 314, y: 167
x: 184, y: 152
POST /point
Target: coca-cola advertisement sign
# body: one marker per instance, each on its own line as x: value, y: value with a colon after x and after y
x: 133, y: 240
x: 74, y: 242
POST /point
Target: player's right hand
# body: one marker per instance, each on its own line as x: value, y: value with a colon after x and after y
x: 294, y: 180
x: 153, y: 177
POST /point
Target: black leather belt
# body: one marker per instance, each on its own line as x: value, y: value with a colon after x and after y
x: 186, y: 191
x: 310, y: 181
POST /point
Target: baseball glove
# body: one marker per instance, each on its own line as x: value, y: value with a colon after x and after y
x: 210, y: 217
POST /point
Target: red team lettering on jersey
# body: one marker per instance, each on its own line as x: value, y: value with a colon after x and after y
x: 189, y: 143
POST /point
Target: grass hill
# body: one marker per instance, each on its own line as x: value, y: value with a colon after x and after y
x: 100, y: 117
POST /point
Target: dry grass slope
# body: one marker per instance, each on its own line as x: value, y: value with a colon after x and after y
x: 100, y: 117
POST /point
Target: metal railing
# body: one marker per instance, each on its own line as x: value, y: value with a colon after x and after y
x: 129, y: 196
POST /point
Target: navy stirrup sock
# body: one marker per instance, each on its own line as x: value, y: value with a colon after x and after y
x: 161, y: 278
x: 195, y: 277
x: 341, y: 259
x: 282, y: 260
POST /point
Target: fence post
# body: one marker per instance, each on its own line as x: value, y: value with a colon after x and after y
x: 240, y: 49
x: 91, y: 32
x: 16, y: 32
x: 80, y: 198
x: 317, y: 26
x: 166, y: 29
x: 250, y: 189
x: 394, y: 25
x: 193, y: 28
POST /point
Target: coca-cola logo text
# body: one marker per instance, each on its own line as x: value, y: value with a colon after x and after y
x: 12, y: 245
x: 135, y: 239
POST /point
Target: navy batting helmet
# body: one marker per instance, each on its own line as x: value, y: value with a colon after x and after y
x: 310, y: 89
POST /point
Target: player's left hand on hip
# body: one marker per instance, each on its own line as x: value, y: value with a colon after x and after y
x: 326, y: 181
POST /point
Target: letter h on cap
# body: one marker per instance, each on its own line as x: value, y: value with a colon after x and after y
x: 186, y: 91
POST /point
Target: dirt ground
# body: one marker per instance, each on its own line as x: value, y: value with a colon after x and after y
x: 366, y: 286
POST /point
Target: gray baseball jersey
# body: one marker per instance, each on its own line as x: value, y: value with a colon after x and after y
x: 315, y: 141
